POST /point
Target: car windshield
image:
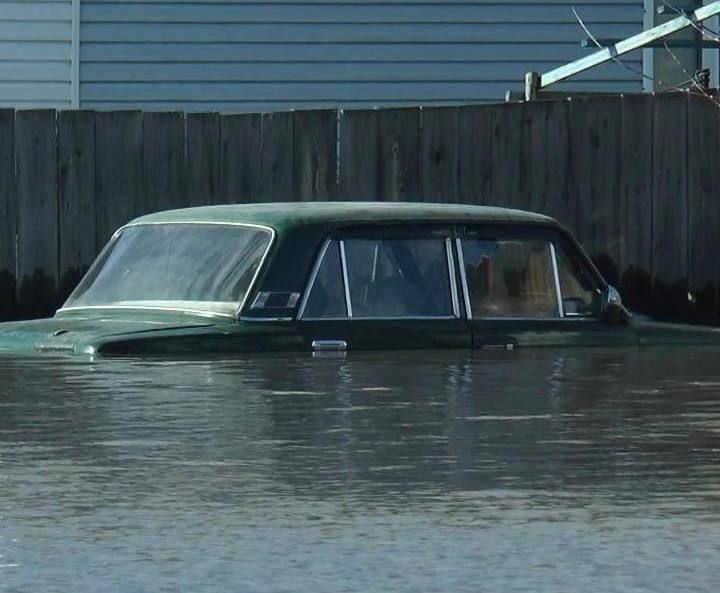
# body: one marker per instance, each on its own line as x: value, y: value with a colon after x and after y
x: 196, y: 267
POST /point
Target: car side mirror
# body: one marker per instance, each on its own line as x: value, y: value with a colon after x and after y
x: 613, y: 311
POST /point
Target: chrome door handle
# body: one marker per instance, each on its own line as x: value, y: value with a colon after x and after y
x: 329, y: 345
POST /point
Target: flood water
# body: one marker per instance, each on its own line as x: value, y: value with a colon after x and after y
x: 541, y: 471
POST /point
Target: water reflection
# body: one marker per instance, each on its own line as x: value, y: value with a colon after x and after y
x: 427, y: 457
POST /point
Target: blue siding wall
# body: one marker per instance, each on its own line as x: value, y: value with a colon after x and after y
x: 267, y: 55
x: 35, y: 53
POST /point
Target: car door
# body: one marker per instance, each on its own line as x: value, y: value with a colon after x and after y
x: 532, y: 287
x: 393, y: 287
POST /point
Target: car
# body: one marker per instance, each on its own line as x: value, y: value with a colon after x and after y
x: 333, y: 277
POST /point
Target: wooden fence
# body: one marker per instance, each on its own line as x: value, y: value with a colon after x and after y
x: 635, y: 177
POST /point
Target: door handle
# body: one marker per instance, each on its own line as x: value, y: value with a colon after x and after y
x: 329, y: 345
x: 495, y: 342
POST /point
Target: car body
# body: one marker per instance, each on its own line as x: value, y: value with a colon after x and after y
x: 337, y: 276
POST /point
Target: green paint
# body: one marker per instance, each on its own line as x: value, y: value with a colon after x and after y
x: 301, y: 230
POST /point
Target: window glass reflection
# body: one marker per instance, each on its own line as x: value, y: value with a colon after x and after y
x: 202, y: 267
x: 387, y: 278
x: 510, y: 278
x: 327, y: 296
x: 398, y: 277
x: 580, y: 294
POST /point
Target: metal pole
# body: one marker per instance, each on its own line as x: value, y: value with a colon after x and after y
x: 532, y: 86
x: 627, y: 45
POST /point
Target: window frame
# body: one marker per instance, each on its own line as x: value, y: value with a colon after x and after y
x: 100, y: 260
x: 443, y: 234
x: 555, y: 238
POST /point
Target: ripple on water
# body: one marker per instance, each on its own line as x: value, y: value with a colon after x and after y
x: 547, y: 471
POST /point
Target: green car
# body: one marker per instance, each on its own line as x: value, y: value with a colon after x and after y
x: 331, y: 277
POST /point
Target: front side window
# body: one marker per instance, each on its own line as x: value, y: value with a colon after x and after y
x: 327, y: 298
x: 382, y: 278
x: 398, y: 277
x: 510, y: 278
x: 198, y: 267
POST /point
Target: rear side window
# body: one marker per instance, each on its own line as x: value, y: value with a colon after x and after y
x: 383, y: 278
x: 510, y: 278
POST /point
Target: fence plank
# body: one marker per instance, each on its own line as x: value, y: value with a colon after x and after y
x: 316, y: 155
x: 670, y: 199
x: 278, y: 163
x: 7, y: 214
x: 635, y: 201
x: 163, y: 162
x: 359, y: 166
x: 202, y: 159
x: 76, y: 195
x: 240, y: 171
x: 510, y: 153
x: 550, y: 156
x: 703, y: 207
x: 634, y: 178
x: 475, y: 150
x: 594, y: 179
x: 37, y: 203
x: 399, y: 154
x: 118, y: 170
x: 439, y: 154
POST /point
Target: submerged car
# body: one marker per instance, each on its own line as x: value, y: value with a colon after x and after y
x: 340, y: 276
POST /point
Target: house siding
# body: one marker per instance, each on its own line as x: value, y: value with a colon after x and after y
x: 271, y: 55
x: 35, y: 53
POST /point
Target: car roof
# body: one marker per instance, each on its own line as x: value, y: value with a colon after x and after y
x: 281, y: 215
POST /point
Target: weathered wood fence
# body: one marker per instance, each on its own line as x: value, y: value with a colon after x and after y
x: 636, y: 178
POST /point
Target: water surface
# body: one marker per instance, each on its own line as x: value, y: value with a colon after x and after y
x: 546, y: 471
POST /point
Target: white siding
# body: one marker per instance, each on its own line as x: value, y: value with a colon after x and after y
x: 268, y: 54
x: 35, y: 53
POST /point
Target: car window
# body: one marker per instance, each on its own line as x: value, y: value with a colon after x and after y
x: 385, y: 277
x: 579, y: 290
x: 398, y: 277
x: 510, y: 278
x: 327, y: 294
x: 188, y: 266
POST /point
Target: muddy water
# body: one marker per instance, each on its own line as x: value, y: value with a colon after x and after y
x: 548, y: 471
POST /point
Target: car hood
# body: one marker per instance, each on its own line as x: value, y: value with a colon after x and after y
x: 79, y: 335
x: 660, y: 333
